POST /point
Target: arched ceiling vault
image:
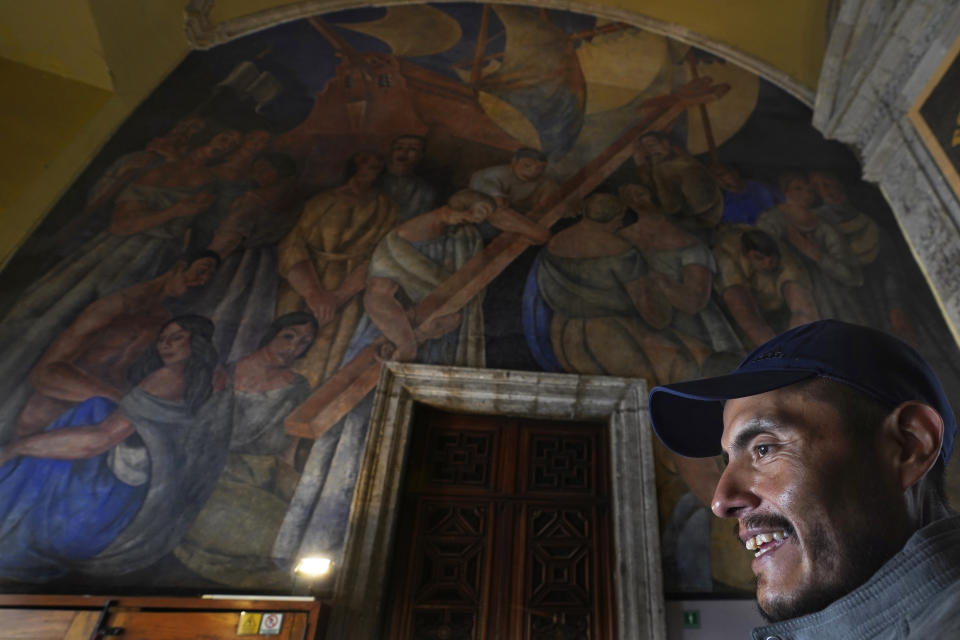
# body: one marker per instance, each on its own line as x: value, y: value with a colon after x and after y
x: 98, y: 59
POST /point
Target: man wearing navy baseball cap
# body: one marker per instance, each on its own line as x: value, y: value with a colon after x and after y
x: 835, y: 438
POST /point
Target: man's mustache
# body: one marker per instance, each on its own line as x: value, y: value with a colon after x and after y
x: 764, y: 521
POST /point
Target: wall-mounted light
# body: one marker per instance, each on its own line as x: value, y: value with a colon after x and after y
x: 314, y: 566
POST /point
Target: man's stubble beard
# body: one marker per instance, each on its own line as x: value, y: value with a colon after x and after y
x: 855, y: 564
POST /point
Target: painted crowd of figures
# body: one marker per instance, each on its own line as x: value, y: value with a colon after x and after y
x: 148, y: 374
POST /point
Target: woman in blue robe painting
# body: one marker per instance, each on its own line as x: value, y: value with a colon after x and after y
x: 110, y: 487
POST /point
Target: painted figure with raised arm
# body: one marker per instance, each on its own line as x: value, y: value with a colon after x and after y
x: 407, y: 266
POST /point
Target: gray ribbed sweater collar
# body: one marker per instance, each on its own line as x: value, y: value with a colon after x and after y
x: 901, y: 589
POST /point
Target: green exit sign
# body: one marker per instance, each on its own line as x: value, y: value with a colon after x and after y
x: 691, y: 619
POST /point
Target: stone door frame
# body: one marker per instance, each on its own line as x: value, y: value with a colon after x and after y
x: 358, y: 600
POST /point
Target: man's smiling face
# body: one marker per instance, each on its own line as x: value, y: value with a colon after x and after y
x: 814, y: 505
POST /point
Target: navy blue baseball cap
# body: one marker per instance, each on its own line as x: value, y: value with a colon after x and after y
x: 688, y: 416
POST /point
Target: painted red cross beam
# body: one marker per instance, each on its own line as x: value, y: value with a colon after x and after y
x: 342, y: 391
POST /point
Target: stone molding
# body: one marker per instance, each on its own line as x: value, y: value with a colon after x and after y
x: 359, y: 598
x: 203, y: 33
x: 880, y: 56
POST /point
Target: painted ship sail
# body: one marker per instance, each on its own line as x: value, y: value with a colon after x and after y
x: 403, y: 28
x: 540, y: 76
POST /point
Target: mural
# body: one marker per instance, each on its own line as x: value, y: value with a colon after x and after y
x: 192, y: 337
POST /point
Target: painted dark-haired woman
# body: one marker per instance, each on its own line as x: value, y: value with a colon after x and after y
x: 232, y: 539
x: 110, y: 487
x: 324, y: 259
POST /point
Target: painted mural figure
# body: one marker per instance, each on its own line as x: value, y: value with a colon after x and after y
x: 146, y: 236
x: 420, y: 254
x: 765, y: 289
x: 683, y: 187
x: 540, y: 75
x: 169, y: 147
x: 232, y: 539
x: 242, y: 295
x: 521, y: 185
x: 683, y: 268
x: 93, y: 355
x: 884, y: 299
x: 406, y: 266
x: 89, y: 494
x: 234, y: 177
x: 164, y: 202
x: 412, y: 261
x: 743, y: 200
x: 236, y: 167
x: 324, y: 259
x: 608, y: 313
x: 834, y: 271
x: 412, y: 194
x: 172, y: 146
x: 609, y: 316
x: 881, y: 297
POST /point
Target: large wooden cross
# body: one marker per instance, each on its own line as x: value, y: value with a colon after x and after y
x: 342, y: 391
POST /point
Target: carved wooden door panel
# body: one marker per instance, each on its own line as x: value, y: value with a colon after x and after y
x: 504, y: 531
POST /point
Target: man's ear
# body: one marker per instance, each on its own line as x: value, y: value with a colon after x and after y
x: 916, y: 431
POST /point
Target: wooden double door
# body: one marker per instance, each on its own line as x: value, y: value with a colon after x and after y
x: 504, y: 531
